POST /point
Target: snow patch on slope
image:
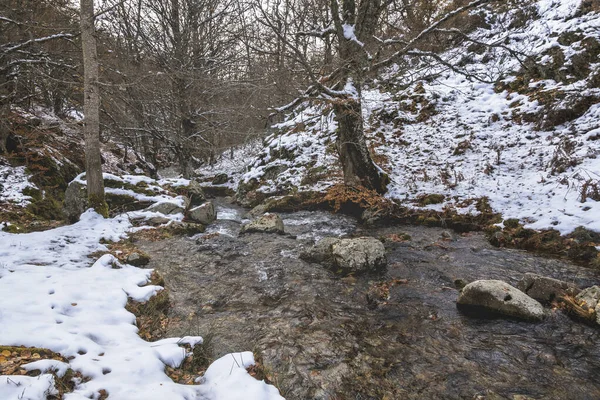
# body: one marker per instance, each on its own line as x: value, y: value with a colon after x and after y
x: 64, y: 301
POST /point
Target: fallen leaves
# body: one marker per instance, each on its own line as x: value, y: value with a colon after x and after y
x: 12, y: 358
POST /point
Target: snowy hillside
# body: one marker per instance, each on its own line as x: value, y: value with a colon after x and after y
x: 528, y: 139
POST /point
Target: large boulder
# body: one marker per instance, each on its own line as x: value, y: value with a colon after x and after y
x: 267, y: 223
x: 357, y: 255
x: 362, y: 254
x: 195, y: 193
x: 76, y: 201
x: 204, y: 214
x: 545, y: 289
x: 166, y: 208
x: 500, y: 298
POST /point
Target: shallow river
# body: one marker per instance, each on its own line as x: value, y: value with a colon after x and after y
x: 326, y: 337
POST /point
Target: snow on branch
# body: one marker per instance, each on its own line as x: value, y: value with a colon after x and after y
x: 6, y: 50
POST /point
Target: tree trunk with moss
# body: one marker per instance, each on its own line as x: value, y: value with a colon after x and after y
x: 354, y: 155
x: 91, y: 110
x: 357, y: 164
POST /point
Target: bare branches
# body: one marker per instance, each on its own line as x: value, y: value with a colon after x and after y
x: 9, y: 48
x: 425, y: 33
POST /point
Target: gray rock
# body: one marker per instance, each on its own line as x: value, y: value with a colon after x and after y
x: 195, y: 193
x: 186, y: 228
x: 204, y: 214
x: 166, y: 208
x: 258, y: 210
x: 137, y: 259
x: 545, y: 289
x: 591, y: 296
x: 321, y: 252
x: 268, y: 223
x: 501, y: 298
x: 155, y: 221
x: 76, y: 201
x: 358, y: 255
x: 220, y: 179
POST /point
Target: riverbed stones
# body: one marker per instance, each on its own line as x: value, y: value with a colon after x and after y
x: 76, y: 201
x: 156, y: 221
x: 358, y: 255
x: 195, y: 193
x: 166, y: 208
x: 204, y: 214
x: 591, y: 298
x: 186, y: 228
x: 500, y: 298
x: 267, y: 223
x: 138, y: 259
x: 220, y: 179
x: 545, y: 289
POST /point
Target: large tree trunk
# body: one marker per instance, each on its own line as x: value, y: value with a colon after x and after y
x: 357, y: 164
x: 91, y: 110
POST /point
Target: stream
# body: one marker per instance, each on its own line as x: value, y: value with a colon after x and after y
x: 322, y: 336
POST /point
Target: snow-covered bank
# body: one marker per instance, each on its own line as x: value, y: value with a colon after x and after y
x: 55, y: 297
x: 528, y: 141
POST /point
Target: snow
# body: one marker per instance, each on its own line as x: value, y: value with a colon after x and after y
x: 64, y: 301
x: 13, y: 180
x: 506, y: 159
x: 26, y: 387
x: 350, y: 35
x: 227, y: 379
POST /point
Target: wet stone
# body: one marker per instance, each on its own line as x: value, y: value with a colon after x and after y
x: 545, y: 289
x: 500, y: 297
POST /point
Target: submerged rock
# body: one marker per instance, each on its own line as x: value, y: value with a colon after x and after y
x: 501, y: 298
x: 545, y: 289
x: 204, y: 214
x: 268, y: 223
x: 357, y: 255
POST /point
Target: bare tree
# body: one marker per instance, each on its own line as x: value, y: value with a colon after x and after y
x: 91, y: 110
x: 367, y: 37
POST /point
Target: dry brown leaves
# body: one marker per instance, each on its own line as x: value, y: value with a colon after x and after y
x: 340, y: 195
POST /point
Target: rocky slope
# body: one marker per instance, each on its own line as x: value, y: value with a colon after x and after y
x: 528, y: 140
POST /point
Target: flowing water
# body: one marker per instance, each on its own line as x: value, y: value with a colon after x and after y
x: 322, y: 336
